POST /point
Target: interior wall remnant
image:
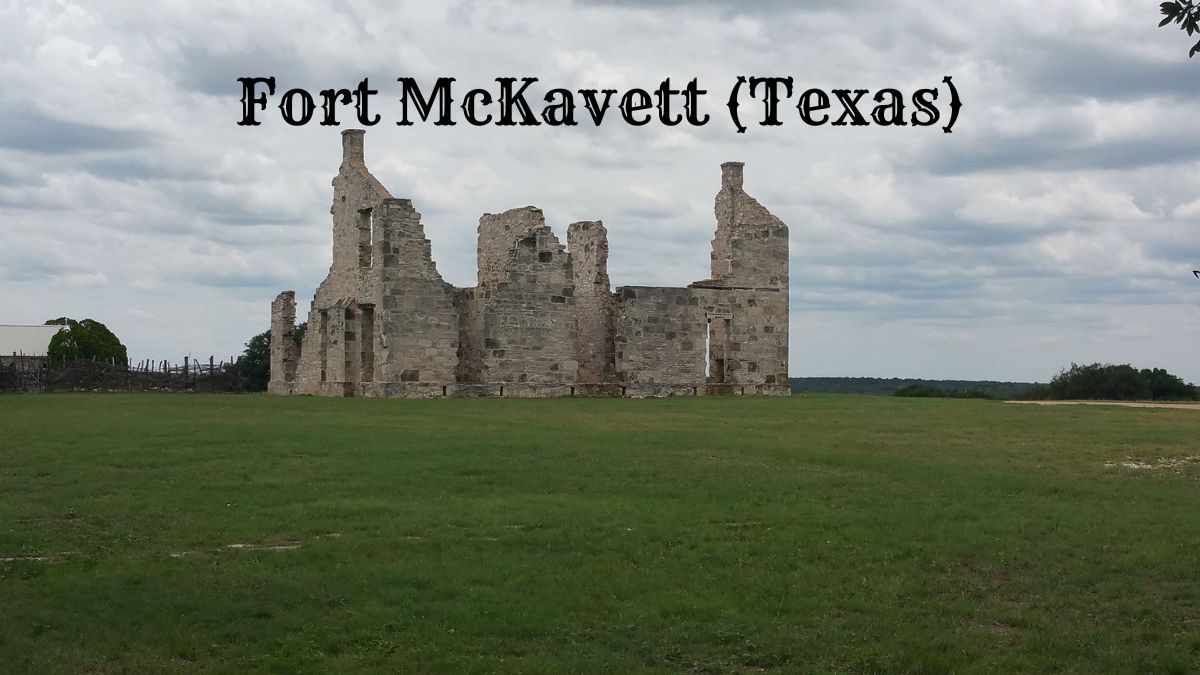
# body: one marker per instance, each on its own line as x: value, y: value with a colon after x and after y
x: 588, y: 243
x: 284, y: 353
x: 527, y: 295
x: 417, y: 322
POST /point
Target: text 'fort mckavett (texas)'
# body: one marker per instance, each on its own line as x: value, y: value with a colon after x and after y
x: 760, y: 101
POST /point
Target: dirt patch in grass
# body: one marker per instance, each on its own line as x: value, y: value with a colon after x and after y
x: 47, y: 558
x: 1176, y: 464
x: 1123, y: 404
x: 288, y: 546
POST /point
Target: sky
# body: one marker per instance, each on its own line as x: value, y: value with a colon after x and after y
x: 1056, y: 224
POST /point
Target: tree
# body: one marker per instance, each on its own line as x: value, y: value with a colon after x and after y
x: 1186, y: 13
x: 1115, y: 383
x: 85, y: 340
x: 255, y: 363
x: 1165, y: 386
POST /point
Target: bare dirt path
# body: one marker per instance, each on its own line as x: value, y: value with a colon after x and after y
x: 1124, y: 404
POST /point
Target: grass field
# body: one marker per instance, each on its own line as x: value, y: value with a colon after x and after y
x: 817, y: 533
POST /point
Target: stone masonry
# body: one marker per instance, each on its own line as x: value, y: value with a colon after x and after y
x: 542, y: 319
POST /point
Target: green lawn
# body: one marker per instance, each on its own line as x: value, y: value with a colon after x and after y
x: 730, y: 535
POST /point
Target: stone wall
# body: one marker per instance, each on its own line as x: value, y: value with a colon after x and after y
x: 750, y: 247
x: 747, y: 335
x: 417, y: 322
x: 594, y: 305
x: 284, y: 353
x: 659, y: 340
x: 356, y: 195
x: 541, y: 320
x: 527, y: 293
x: 470, y: 336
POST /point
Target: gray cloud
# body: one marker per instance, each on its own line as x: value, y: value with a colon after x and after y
x: 1098, y: 69
x: 30, y: 130
x: 1062, y: 150
x: 125, y: 168
x: 1055, y: 224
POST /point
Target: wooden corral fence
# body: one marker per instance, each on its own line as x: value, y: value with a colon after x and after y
x: 23, y: 373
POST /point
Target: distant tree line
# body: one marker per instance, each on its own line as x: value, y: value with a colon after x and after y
x: 927, y: 391
x: 880, y: 386
x: 1110, y: 382
x: 1094, y: 382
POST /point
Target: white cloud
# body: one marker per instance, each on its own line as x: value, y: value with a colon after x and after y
x: 1056, y: 223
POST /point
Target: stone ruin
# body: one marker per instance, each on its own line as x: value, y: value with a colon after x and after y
x: 542, y: 319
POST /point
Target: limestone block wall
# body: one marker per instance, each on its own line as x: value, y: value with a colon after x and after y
x: 659, y: 337
x: 284, y: 354
x: 747, y: 335
x: 469, y: 303
x: 527, y: 296
x: 587, y: 242
x: 416, y: 321
x: 356, y: 195
x: 750, y: 247
x: 334, y: 359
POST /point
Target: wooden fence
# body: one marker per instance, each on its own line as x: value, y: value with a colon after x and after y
x: 24, y: 373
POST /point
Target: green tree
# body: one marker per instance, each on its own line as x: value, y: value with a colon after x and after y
x: 255, y: 363
x: 1115, y: 383
x: 1186, y: 13
x: 1165, y: 386
x: 87, y: 340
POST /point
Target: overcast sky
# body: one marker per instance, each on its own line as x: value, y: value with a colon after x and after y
x: 1057, y: 223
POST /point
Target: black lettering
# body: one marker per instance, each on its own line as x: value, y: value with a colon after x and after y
x: 250, y: 101
x: 663, y: 94
x: 595, y: 109
x: 362, y: 95
x: 287, y: 107
x: 509, y: 100
x: 628, y: 107
x: 468, y: 106
x: 329, y: 101
x: 850, y: 108
x: 806, y: 106
x: 565, y: 108
x: 923, y: 102
x: 771, y: 97
x: 440, y: 93
x: 691, y: 104
x: 895, y: 107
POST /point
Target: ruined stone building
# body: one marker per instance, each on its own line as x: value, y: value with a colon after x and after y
x: 542, y: 319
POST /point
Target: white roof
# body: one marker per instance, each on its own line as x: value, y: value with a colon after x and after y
x: 26, y: 340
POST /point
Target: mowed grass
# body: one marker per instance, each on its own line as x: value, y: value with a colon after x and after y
x: 723, y: 535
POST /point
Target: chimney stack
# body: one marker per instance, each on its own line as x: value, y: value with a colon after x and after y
x: 731, y: 175
x: 352, y: 145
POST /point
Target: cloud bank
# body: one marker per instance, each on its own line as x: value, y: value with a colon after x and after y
x: 1056, y: 224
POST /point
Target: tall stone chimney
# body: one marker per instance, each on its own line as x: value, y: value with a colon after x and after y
x: 731, y: 175
x: 352, y: 146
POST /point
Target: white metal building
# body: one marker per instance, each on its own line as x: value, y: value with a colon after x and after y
x: 25, y: 342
